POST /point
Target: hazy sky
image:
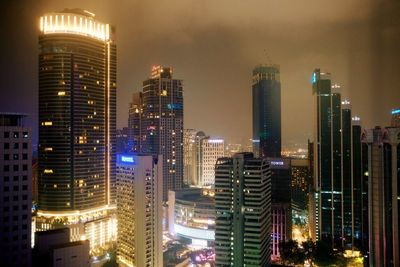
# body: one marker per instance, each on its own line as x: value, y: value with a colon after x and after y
x: 213, y: 46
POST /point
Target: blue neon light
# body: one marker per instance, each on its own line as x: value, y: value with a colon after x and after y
x: 314, y: 77
x: 395, y: 111
x: 126, y: 159
x: 174, y: 106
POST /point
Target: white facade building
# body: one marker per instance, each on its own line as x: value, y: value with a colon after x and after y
x: 139, y: 210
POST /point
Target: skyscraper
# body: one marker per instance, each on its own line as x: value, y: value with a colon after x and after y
x: 395, y: 117
x: 139, y: 187
x: 161, y: 124
x: 77, y: 124
x: 327, y: 160
x: 267, y: 111
x: 243, y: 206
x: 383, y: 195
x: 16, y: 190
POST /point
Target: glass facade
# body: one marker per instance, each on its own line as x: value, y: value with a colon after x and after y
x: 267, y: 111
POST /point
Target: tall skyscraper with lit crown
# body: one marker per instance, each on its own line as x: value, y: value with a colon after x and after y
x: 161, y: 124
x: 77, y: 125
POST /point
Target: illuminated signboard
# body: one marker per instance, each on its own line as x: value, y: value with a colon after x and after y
x: 126, y: 159
x: 314, y: 77
x: 194, y: 232
x: 277, y: 163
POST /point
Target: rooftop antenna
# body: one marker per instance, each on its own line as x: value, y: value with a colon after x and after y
x: 267, y: 58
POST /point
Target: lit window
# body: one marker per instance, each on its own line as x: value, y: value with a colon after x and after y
x: 62, y: 93
x: 47, y: 123
x: 48, y: 171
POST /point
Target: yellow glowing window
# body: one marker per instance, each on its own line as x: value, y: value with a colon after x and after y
x: 90, y: 102
x: 47, y: 123
x: 55, y: 185
x: 48, y: 171
x: 164, y: 93
x: 48, y: 149
x: 62, y: 93
x: 96, y: 127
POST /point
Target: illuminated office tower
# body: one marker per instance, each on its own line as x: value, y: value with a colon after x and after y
x: 208, y: 150
x: 134, y: 122
x: 77, y: 125
x: 327, y: 160
x: 162, y: 124
x: 337, y: 167
x: 16, y: 190
x: 395, y: 117
x: 243, y: 208
x: 383, y: 195
x: 267, y: 111
x: 189, y: 140
x: 139, y: 187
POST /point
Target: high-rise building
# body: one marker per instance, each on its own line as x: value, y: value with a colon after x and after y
x: 383, y: 195
x: 122, y: 140
x: 281, y: 201
x: 139, y: 187
x: 267, y: 111
x: 336, y: 154
x: 395, y: 117
x: 208, y: 150
x: 200, y: 155
x: 77, y: 125
x: 134, y: 122
x: 243, y: 207
x: 161, y: 124
x: 16, y: 190
x: 189, y: 145
x: 300, y: 182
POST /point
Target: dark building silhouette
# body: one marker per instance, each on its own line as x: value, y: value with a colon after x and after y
x: 266, y: 111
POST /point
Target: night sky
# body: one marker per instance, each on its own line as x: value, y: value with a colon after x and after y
x: 213, y: 46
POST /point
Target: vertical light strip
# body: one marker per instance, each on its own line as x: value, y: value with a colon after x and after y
x: 108, y: 122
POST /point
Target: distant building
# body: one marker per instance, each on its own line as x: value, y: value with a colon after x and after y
x: 191, y: 216
x: 300, y: 182
x: 383, y: 195
x: 395, y: 117
x: 200, y: 155
x: 77, y: 126
x: 208, y: 150
x: 54, y: 249
x: 243, y: 208
x: 157, y: 113
x: 134, y: 122
x: 16, y: 190
x: 122, y: 140
x: 139, y: 210
x: 189, y: 149
x: 266, y: 88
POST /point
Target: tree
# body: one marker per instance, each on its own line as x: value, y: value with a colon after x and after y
x: 290, y: 252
